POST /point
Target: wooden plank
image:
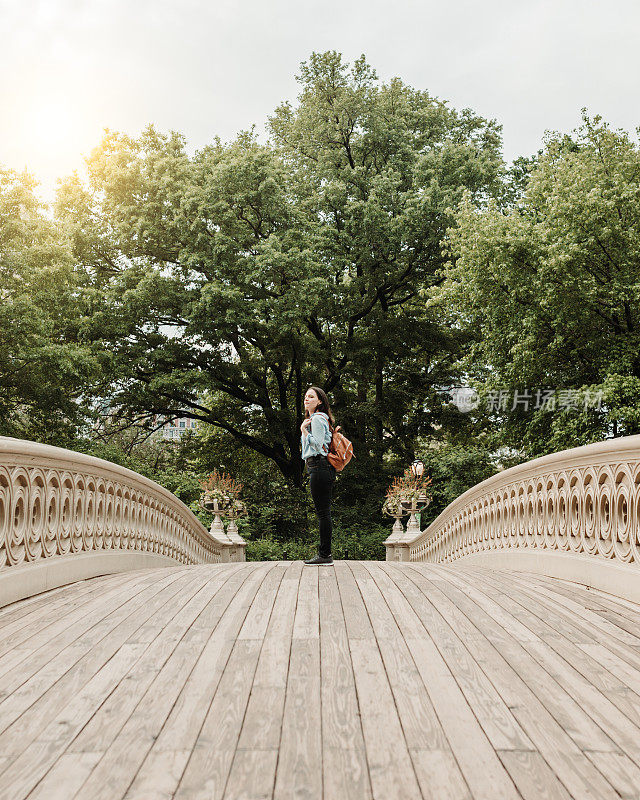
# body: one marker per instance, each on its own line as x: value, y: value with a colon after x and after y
x: 34, y: 617
x: 610, y: 719
x: 564, y: 706
x: 125, y: 753
x: 299, y: 683
x: 422, y: 729
x: 590, y: 597
x: 620, y: 771
x: 115, y: 711
x: 20, y: 663
x: 551, y: 630
x: 209, y: 763
x: 345, y: 773
x: 344, y: 764
x: 627, y: 651
x: 262, y: 724
x: 476, y: 757
x: 215, y: 739
x: 306, y: 624
x: 390, y: 767
x: 251, y: 776
x: 613, y: 627
x: 599, y: 707
x: 624, y: 614
x: 163, y: 770
x: 541, y: 617
x: 572, y: 610
x: 355, y: 613
x: 499, y: 725
x: 27, y: 605
x: 67, y: 595
x: 532, y: 776
x: 504, y: 620
x: 586, y: 609
x: 334, y: 646
x: 214, y: 711
x: 257, y: 619
x: 299, y: 772
x: 436, y: 769
x: 379, y: 614
x: 108, y: 664
x: 439, y: 775
x: 478, y: 631
x: 624, y: 623
x: 43, y: 752
x: 16, y: 609
x: 616, y: 665
x: 273, y: 664
x: 224, y: 617
x: 58, y: 681
x: 67, y: 776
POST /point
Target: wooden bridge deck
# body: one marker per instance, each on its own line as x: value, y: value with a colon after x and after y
x: 361, y: 680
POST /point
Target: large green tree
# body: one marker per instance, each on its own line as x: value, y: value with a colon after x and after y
x: 225, y: 283
x: 380, y: 166
x: 44, y: 371
x: 549, y: 289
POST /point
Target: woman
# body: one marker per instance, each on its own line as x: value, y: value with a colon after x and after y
x: 316, y: 436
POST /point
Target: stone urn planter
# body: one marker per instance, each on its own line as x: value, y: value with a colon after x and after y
x: 220, y: 497
x: 406, y: 496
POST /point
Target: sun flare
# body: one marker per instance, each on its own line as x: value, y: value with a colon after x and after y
x: 52, y: 127
x: 56, y: 135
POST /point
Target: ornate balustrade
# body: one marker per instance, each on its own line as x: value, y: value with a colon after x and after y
x: 574, y: 514
x: 65, y: 516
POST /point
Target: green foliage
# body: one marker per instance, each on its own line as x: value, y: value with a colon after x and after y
x: 358, y: 543
x: 453, y: 469
x: 223, y: 284
x: 264, y: 550
x: 44, y: 369
x: 548, y: 289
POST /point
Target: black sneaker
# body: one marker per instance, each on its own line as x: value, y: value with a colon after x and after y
x: 319, y: 560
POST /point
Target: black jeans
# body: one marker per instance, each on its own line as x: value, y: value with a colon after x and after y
x: 322, y: 476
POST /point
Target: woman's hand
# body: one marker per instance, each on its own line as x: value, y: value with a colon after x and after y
x: 306, y: 424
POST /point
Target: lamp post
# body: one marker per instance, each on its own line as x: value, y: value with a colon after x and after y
x: 402, y: 499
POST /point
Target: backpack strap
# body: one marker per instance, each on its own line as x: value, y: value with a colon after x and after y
x: 331, y: 431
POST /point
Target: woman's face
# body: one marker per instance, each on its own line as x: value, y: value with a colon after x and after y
x: 311, y: 401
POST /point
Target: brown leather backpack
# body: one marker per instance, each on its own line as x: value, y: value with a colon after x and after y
x: 340, y: 449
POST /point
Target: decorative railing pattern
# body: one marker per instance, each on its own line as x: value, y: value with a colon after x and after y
x: 56, y: 502
x: 580, y: 501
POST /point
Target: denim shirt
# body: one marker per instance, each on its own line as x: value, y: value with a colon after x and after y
x: 317, y: 440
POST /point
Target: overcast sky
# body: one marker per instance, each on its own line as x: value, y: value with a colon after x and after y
x: 72, y: 67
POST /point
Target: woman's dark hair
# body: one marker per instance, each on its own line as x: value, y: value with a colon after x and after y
x: 324, y: 404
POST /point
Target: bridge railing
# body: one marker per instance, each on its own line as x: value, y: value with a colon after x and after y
x: 574, y: 514
x: 66, y: 516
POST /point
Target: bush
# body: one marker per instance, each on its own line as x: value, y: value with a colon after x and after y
x: 354, y: 544
x: 360, y: 544
x: 266, y: 549
x: 263, y: 550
